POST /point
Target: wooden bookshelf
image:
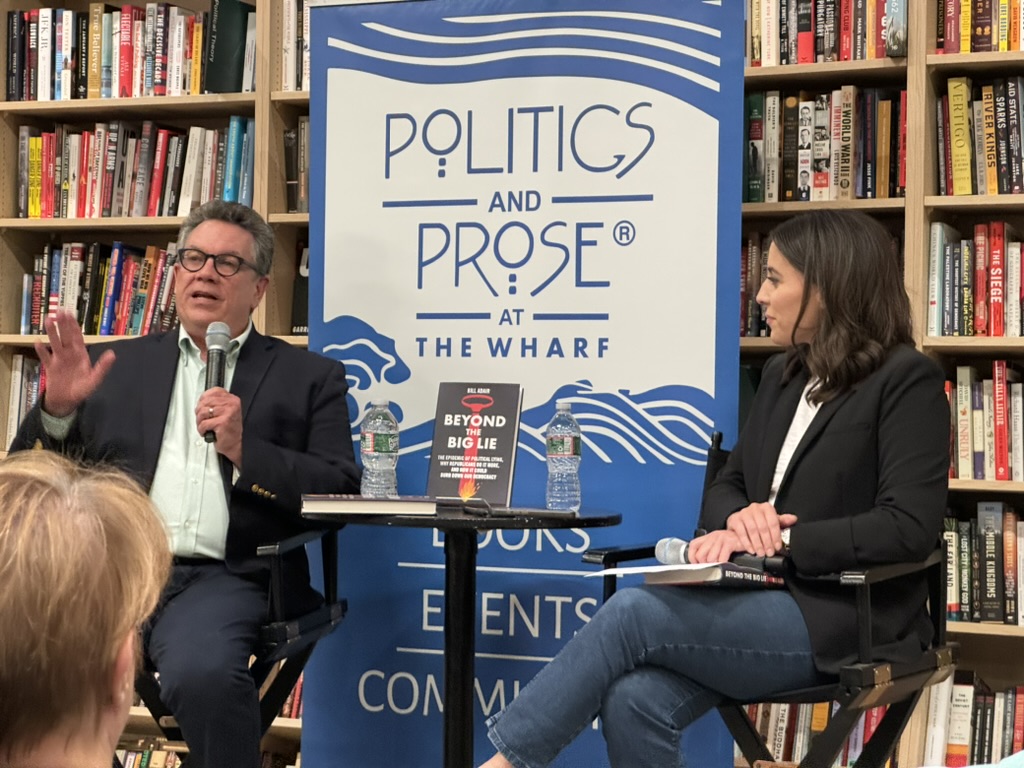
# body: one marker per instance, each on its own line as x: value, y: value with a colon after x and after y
x: 993, y: 650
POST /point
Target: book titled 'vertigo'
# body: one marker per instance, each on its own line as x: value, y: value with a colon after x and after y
x: 354, y: 504
x: 708, y: 574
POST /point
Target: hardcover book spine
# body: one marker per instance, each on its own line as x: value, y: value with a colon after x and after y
x: 960, y: 134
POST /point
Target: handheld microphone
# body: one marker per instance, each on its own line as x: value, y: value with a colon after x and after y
x: 218, y: 338
x: 671, y: 551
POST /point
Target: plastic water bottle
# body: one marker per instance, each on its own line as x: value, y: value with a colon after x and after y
x: 378, y: 447
x: 564, y: 449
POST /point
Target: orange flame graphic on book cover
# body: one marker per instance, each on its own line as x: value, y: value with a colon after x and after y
x: 468, y: 486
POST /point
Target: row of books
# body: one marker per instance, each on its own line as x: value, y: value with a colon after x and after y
x: 833, y: 145
x: 808, y: 31
x: 987, y: 429
x: 967, y: 723
x: 974, y: 281
x: 142, y: 757
x: 789, y: 728
x: 292, y: 706
x: 146, y: 757
x: 752, y: 262
x: 978, y: 26
x: 957, y: 723
x: 58, y: 54
x: 116, y: 290
x: 295, y: 45
x: 28, y: 379
x: 980, y: 133
x: 296, y: 166
x: 985, y: 563
x: 123, y: 169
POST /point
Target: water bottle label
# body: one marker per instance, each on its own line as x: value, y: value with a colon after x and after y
x: 377, y: 442
x: 564, y: 445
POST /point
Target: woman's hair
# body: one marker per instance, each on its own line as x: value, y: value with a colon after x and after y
x: 851, y: 260
x: 83, y: 559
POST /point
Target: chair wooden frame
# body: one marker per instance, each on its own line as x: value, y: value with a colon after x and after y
x: 863, y: 684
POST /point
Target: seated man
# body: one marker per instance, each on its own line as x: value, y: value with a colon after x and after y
x: 280, y: 428
x: 83, y: 557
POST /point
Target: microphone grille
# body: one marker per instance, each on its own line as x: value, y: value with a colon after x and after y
x: 218, y: 336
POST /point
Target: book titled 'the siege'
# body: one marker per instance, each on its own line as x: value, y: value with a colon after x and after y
x: 476, y: 430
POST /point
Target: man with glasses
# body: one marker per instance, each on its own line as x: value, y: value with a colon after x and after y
x: 282, y: 429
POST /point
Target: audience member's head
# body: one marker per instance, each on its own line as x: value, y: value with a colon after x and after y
x: 83, y: 558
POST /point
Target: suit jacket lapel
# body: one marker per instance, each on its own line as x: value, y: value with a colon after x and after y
x: 158, y: 376
x: 815, y: 428
x: 253, y: 361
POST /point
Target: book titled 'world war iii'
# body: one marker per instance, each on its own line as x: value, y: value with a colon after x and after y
x: 476, y: 430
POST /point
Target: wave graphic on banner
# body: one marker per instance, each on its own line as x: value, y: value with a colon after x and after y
x: 667, y: 425
x: 463, y: 49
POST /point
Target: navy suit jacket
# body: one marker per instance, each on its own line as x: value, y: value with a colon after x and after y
x: 295, y: 436
x: 868, y: 484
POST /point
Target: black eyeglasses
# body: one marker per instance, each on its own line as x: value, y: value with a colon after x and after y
x: 226, y: 264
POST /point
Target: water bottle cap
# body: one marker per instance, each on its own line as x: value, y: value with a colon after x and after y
x: 563, y: 405
x: 380, y: 402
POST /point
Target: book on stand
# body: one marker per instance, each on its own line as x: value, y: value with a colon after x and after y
x: 476, y: 432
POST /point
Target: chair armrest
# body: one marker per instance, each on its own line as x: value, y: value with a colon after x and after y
x: 862, y: 579
x: 877, y: 573
x: 329, y: 551
x: 287, y: 545
x: 609, y: 557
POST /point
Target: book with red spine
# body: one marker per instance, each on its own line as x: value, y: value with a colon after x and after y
x: 999, y: 413
x: 845, y: 30
x: 156, y: 186
x: 981, y: 248
x: 126, y: 58
x: 996, y: 278
x: 131, y: 259
x: 805, y: 32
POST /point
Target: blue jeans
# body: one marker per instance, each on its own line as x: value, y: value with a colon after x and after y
x: 650, y: 662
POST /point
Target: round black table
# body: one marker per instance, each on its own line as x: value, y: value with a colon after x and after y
x: 460, y: 550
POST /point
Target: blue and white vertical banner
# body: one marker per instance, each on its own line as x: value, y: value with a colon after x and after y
x: 536, y: 191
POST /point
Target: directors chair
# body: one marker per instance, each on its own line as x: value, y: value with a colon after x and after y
x: 285, y: 645
x: 862, y: 685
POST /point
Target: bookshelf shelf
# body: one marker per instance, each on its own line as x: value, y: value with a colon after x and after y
x: 876, y: 70
x: 140, y: 723
x: 297, y: 219
x: 974, y: 203
x: 117, y: 223
x: 996, y: 63
x: 986, y: 486
x: 785, y: 210
x: 980, y: 346
x: 298, y: 98
x: 149, y: 107
x: 986, y: 630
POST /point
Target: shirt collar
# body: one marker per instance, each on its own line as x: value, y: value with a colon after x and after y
x: 190, y: 350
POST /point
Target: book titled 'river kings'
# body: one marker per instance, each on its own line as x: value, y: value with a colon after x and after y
x: 476, y: 430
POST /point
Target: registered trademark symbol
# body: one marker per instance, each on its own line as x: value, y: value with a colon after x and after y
x: 625, y: 232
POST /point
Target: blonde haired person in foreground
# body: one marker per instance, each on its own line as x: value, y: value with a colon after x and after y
x: 83, y: 558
